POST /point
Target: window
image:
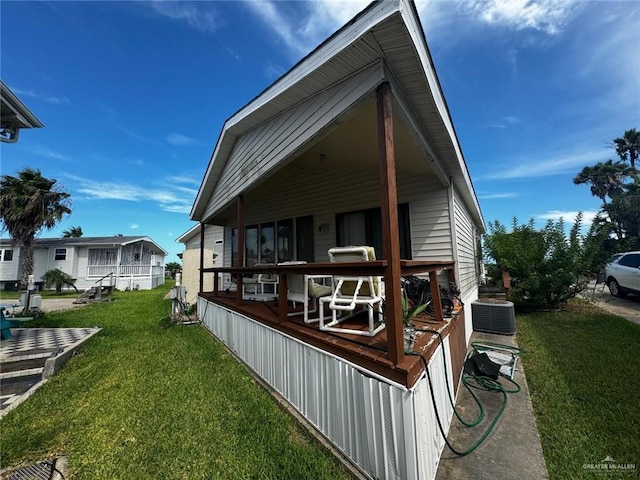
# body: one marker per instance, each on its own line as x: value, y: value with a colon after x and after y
x: 7, y: 255
x: 60, y: 254
x: 304, y: 238
x: 285, y: 240
x: 251, y: 245
x: 136, y: 257
x: 364, y: 227
x: 276, y: 242
x: 267, y: 243
x: 630, y: 260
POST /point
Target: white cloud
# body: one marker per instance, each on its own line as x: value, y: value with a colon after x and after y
x: 544, y: 165
x: 198, y: 15
x: 492, y: 196
x: 302, y: 26
x: 137, y: 136
x: 548, y: 16
x: 40, y: 96
x: 134, y: 226
x: 48, y: 153
x: 569, y: 217
x: 180, y: 140
x: 169, y: 197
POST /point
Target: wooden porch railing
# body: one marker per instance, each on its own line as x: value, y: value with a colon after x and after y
x: 373, y: 268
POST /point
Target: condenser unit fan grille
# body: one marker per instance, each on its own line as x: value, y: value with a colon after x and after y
x: 493, y: 317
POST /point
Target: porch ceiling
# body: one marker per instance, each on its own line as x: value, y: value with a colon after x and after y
x: 349, y: 145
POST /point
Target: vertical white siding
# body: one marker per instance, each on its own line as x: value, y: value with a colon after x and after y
x: 385, y: 429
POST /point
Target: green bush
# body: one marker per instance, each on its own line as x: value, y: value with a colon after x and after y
x: 547, y: 267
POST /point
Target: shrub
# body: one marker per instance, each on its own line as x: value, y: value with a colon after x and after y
x: 547, y: 267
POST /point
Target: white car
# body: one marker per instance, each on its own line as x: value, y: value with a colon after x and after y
x: 622, y: 274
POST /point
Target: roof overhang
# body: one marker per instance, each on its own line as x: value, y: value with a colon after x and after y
x: 14, y: 115
x: 387, y: 31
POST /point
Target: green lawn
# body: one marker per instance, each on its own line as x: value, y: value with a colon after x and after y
x: 582, y: 367
x: 142, y: 400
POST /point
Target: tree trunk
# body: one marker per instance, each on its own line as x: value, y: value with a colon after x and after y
x: 26, y: 259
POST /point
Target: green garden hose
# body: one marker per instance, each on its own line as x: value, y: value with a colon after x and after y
x: 470, y: 382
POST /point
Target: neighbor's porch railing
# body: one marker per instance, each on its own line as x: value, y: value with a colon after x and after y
x: 125, y: 270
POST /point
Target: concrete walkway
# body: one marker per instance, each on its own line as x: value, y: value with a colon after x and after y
x: 512, y: 450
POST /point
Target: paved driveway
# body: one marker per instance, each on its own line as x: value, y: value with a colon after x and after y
x: 628, y: 307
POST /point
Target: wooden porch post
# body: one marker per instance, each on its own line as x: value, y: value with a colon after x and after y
x: 390, y: 237
x: 201, y: 279
x: 240, y: 214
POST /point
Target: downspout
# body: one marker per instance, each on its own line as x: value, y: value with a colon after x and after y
x: 201, y: 278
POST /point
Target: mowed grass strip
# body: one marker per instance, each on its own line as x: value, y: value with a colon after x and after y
x: 141, y: 400
x: 582, y: 367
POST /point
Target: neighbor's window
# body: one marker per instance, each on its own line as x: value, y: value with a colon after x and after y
x: 60, y: 254
x: 7, y: 255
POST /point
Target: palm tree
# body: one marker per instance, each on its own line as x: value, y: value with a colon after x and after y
x: 173, y: 268
x: 628, y: 147
x: 605, y: 179
x: 58, y: 278
x: 73, y: 232
x: 30, y: 202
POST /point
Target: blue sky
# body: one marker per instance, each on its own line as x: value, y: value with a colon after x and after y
x: 133, y: 96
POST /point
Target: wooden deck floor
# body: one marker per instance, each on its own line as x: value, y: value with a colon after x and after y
x: 368, y: 352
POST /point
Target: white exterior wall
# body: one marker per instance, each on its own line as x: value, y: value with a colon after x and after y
x: 263, y: 148
x: 191, y: 259
x: 9, y: 270
x: 466, y: 262
x: 389, y: 432
x: 41, y: 263
x: 297, y: 197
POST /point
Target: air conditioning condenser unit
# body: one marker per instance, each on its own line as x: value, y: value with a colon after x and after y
x: 493, y: 316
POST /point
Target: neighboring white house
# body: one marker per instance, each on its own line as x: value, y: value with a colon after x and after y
x: 133, y: 262
x: 355, y: 132
x: 213, y: 251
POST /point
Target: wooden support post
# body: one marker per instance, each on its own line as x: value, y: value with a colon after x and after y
x: 240, y: 213
x: 216, y: 284
x: 435, y: 295
x: 283, y: 304
x: 390, y: 237
x: 201, y: 279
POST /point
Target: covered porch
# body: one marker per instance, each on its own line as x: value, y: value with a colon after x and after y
x: 383, y: 353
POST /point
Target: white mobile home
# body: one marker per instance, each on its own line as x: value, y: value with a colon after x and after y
x: 353, y: 146
x: 131, y: 263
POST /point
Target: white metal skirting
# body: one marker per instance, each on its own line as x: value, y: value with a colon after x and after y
x: 389, y: 432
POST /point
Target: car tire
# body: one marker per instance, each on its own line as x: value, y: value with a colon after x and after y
x: 615, y: 288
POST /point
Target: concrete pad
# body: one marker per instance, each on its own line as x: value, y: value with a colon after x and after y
x: 513, y: 450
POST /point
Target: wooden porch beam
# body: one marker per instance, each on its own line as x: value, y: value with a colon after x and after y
x: 240, y: 213
x: 390, y: 237
x: 201, y: 279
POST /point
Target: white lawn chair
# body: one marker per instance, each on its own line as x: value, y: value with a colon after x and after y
x: 306, y: 290
x: 257, y: 281
x: 352, y: 292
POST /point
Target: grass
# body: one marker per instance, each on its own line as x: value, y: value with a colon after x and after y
x: 143, y: 400
x: 582, y: 367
